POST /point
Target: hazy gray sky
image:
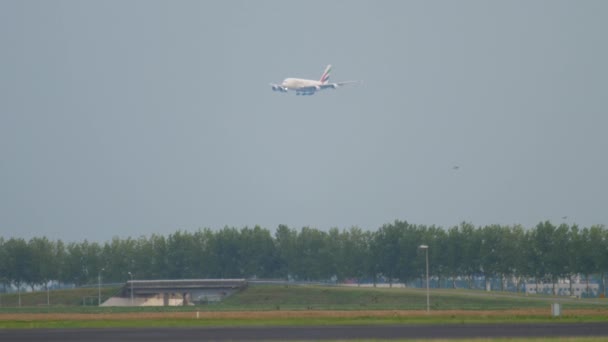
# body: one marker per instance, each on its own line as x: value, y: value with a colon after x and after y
x: 127, y: 118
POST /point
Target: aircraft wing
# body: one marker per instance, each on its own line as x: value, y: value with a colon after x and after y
x: 308, y: 89
x: 337, y: 84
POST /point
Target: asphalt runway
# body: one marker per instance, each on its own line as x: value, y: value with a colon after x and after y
x: 310, y: 333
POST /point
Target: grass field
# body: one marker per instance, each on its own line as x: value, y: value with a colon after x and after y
x: 294, y: 297
x: 365, y: 298
x: 68, y: 297
x: 302, y: 305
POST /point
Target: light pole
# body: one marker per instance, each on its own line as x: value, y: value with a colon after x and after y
x: 131, y: 274
x: 99, y: 286
x: 426, y: 249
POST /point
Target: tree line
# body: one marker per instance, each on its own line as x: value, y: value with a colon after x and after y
x: 544, y: 253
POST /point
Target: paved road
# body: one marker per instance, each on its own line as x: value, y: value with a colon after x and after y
x: 309, y: 333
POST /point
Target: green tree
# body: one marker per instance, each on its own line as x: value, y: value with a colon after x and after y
x: 389, y: 251
x: 470, y: 249
x: 354, y: 254
x: 542, y: 247
x: 4, y: 278
x: 488, y: 254
x: 411, y: 265
x: 118, y: 259
x: 144, y: 258
x: 519, y: 254
x: 59, y: 260
x: 589, y: 253
x: 453, y: 257
x: 312, y: 261
x: 43, y: 265
x: 285, y: 244
x: 182, y: 256
x: 208, y: 260
x: 258, y: 253
x: 559, y: 256
x: 599, y: 236
x: 225, y: 247
x: 18, y: 262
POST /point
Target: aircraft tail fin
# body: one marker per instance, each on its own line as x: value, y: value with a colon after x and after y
x: 325, y: 76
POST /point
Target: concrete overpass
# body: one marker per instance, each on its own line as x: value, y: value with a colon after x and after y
x: 175, y: 292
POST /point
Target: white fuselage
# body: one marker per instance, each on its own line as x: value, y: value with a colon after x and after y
x: 297, y: 83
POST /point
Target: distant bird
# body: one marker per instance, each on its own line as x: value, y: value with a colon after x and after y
x: 455, y: 167
x: 564, y: 217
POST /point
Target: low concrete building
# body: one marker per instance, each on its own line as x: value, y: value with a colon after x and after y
x: 564, y: 289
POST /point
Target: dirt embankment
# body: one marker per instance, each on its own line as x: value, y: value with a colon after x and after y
x: 290, y: 314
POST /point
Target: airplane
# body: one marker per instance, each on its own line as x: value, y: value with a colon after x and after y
x: 309, y: 87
